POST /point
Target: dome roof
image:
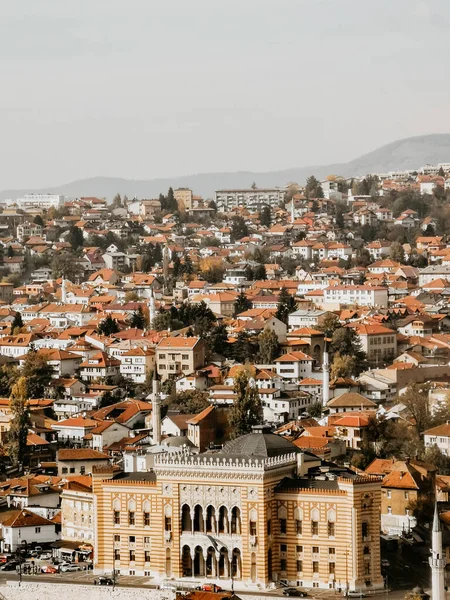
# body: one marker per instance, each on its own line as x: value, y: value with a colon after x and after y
x: 260, y: 443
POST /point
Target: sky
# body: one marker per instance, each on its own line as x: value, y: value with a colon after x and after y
x: 149, y: 88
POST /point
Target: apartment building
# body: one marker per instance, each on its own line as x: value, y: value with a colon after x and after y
x: 361, y: 295
x: 252, y: 199
x: 179, y: 355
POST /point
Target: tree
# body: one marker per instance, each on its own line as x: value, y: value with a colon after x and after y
x: 269, y: 347
x: 286, y: 305
x: 329, y: 324
x: 416, y: 401
x: 265, y: 216
x: 17, y: 323
x: 313, y: 189
x: 346, y: 342
x: 241, y: 304
x: 247, y: 408
x: 107, y: 399
x: 190, y: 401
x: 117, y: 201
x: 108, y: 326
x: 9, y: 375
x: 260, y: 273
x: 397, y: 252
x: 441, y: 172
x: 315, y: 410
x: 18, y: 428
x: 244, y: 348
x: 138, y: 319
x: 217, y: 340
x: 239, y: 228
x: 75, y: 237
x: 342, y: 366
x: 38, y: 220
x: 363, y: 257
x: 37, y: 372
x: 10, y: 252
x: 64, y: 265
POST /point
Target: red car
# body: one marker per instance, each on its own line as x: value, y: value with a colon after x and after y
x: 211, y: 587
x: 48, y: 569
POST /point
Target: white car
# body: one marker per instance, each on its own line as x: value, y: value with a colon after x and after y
x: 68, y: 568
x: 45, y: 556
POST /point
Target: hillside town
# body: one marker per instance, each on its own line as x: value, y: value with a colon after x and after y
x: 239, y: 392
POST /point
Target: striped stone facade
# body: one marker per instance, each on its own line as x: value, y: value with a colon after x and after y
x: 251, y: 520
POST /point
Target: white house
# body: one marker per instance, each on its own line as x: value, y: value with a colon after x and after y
x: 24, y: 525
x: 362, y: 295
x: 294, y: 366
x: 136, y: 364
x: 438, y: 436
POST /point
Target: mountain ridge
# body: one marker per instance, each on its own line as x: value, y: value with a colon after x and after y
x: 406, y: 153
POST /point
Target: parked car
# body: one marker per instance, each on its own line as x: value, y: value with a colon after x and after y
x: 103, y: 581
x: 355, y: 594
x: 211, y: 587
x: 49, y: 569
x: 290, y: 591
x: 69, y: 568
x: 62, y: 565
x: 10, y: 566
x: 46, y: 556
x: 37, y: 549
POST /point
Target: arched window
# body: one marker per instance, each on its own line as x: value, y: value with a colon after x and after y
x: 331, y: 522
x: 146, y: 509
x: 168, y: 517
x: 198, y: 518
x: 131, y: 512
x: 253, y: 517
x: 282, y: 518
x: 298, y: 519
x: 235, y: 520
x: 116, y: 511
x: 314, y: 522
x: 186, y: 521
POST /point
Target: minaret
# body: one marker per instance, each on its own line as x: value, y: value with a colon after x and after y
x: 156, y: 410
x: 166, y: 261
x: 326, y: 377
x: 437, y: 560
x: 152, y: 308
x: 63, y: 291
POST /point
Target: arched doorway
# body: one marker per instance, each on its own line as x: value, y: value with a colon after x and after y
x: 223, y: 563
x: 186, y: 561
x: 223, y: 519
x: 198, y: 518
x: 235, y: 520
x: 210, y: 519
x: 186, y: 521
x: 199, y: 562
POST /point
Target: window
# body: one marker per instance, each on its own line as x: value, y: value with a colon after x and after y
x: 147, y: 540
x: 314, y: 527
x: 283, y: 525
x: 269, y: 527
x: 167, y: 523
x: 367, y: 568
x: 315, y: 567
x: 117, y: 538
x: 146, y: 519
x: 131, y: 518
x: 389, y: 509
x: 37, y: 530
x: 116, y: 554
x: 132, y: 555
x: 252, y: 527
x: 389, y: 494
x: 299, y: 566
x: 64, y: 470
x: 163, y: 356
x: 82, y: 470
x: 117, y: 517
x: 330, y: 529
x: 365, y: 528
x: 406, y: 495
x: 299, y: 549
x: 72, y: 470
x: 366, y: 550
x: 132, y: 539
x: 185, y: 357
x: 147, y: 555
x: 298, y: 527
x: 331, y: 568
x: 283, y: 548
x: 283, y: 564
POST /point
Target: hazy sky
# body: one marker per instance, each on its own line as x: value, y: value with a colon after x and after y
x: 154, y: 88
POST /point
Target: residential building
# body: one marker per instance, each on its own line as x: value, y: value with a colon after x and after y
x: 80, y: 461
x: 176, y: 355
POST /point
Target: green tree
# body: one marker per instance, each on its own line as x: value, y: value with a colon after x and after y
x: 397, y: 252
x: 108, y: 326
x: 117, y: 201
x: 313, y: 189
x: 244, y: 348
x: 315, y: 410
x: 346, y: 342
x: 17, y: 323
x: 75, y: 237
x: 363, y: 257
x: 239, y: 228
x: 138, y: 319
x: 241, y: 304
x: 20, y: 422
x: 265, y: 216
x: 260, y: 273
x: 37, y: 372
x: 190, y: 402
x: 217, y: 340
x: 247, y: 408
x: 286, y: 305
x: 416, y: 401
x: 269, y: 348
x: 329, y: 324
x: 9, y: 374
x: 64, y: 265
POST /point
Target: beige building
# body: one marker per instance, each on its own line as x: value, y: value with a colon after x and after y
x: 77, y: 513
x: 179, y: 355
x: 184, y: 197
x: 255, y: 512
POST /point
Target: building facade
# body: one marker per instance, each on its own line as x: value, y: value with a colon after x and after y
x: 255, y: 512
x: 249, y: 198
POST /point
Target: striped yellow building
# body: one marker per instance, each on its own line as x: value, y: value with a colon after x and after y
x: 256, y: 512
